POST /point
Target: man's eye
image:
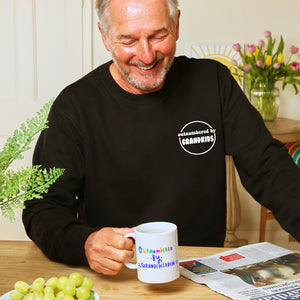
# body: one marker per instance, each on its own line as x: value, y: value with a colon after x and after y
x: 160, y: 37
x: 128, y: 43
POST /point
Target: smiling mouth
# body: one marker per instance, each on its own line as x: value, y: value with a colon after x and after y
x: 146, y: 68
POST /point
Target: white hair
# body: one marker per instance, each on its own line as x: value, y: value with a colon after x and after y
x: 103, y: 12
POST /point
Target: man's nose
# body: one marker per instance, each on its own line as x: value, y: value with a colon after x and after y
x: 145, y: 52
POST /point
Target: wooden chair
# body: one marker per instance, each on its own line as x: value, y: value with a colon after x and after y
x: 265, y: 214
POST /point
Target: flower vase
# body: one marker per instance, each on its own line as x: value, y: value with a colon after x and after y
x: 266, y: 101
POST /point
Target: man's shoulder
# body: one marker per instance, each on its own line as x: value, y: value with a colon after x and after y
x: 202, y: 67
x: 87, y: 83
x: 80, y: 92
x: 198, y: 62
x: 90, y: 77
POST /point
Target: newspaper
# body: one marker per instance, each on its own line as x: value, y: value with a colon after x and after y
x: 261, y: 271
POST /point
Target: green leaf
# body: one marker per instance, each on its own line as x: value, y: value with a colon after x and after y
x: 25, y: 183
x: 281, y: 45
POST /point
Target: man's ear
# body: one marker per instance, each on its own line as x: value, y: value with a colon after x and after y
x: 104, y: 38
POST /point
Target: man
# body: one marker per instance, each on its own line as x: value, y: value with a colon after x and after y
x: 144, y: 138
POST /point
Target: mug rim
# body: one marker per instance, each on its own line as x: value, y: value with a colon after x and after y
x: 166, y: 225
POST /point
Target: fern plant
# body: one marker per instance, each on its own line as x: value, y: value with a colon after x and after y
x: 27, y: 182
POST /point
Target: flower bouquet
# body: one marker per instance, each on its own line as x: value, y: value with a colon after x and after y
x: 262, y: 66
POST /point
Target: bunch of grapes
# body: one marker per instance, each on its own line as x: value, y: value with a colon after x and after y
x: 74, y: 287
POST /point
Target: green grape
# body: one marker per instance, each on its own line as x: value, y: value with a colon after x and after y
x: 49, y: 297
x: 69, y: 288
x: 29, y: 296
x: 87, y: 282
x: 83, y: 292
x: 39, y: 295
x: 52, y: 282
x: 15, y: 295
x: 76, y: 278
x: 59, y: 295
x: 38, y: 285
x: 67, y: 297
x: 61, y: 282
x: 22, y: 287
x: 92, y: 296
x: 48, y: 290
x: 74, y: 287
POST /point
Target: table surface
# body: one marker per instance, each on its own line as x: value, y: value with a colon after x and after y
x: 285, y: 130
x: 22, y: 260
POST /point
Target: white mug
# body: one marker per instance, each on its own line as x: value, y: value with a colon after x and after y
x: 156, y: 252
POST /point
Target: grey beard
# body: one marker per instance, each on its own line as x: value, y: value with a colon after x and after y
x: 131, y: 78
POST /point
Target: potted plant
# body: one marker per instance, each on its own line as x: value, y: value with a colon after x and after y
x: 27, y: 182
x: 262, y: 66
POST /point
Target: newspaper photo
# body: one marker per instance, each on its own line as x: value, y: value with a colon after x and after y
x: 261, y: 271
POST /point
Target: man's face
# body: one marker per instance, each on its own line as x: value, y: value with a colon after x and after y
x: 142, y: 38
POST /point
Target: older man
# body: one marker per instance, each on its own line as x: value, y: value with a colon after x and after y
x: 143, y: 138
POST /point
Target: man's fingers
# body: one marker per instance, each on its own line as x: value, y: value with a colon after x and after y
x: 118, y: 240
x: 111, y: 262
x: 124, y: 231
x: 106, y: 266
x: 108, y: 249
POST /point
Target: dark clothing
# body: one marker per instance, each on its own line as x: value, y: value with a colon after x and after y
x: 131, y: 159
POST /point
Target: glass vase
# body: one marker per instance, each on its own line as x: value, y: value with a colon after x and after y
x: 266, y: 101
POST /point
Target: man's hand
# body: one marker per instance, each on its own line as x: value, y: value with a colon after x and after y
x: 107, y: 249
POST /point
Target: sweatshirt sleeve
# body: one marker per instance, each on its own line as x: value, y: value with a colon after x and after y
x: 265, y: 168
x: 52, y: 222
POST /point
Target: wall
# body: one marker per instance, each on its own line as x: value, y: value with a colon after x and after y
x: 39, y: 55
x: 219, y: 21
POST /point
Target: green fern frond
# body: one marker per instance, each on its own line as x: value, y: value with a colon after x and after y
x: 23, y: 137
x: 26, y: 183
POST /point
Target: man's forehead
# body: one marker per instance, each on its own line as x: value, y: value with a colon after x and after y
x: 153, y: 32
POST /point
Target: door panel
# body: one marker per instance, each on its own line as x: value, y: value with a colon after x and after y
x: 44, y: 46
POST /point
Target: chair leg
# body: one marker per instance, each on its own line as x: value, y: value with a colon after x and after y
x: 263, y: 220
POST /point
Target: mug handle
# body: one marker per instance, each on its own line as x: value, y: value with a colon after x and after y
x: 127, y: 263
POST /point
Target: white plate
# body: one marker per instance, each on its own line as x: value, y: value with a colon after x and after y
x: 6, y: 296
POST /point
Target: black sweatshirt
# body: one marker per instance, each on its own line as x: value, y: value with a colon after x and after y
x: 131, y: 159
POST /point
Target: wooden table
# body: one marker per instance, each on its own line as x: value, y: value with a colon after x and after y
x: 285, y: 130
x: 22, y: 260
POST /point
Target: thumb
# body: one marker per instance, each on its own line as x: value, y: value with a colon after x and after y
x: 124, y: 230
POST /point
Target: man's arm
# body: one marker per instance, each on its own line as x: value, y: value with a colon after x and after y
x: 266, y: 170
x: 52, y: 222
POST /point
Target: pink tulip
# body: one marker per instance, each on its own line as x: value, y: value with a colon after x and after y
x: 233, y: 62
x: 267, y: 34
x: 259, y: 63
x: 276, y: 66
x: 247, y: 67
x: 295, y: 66
x: 251, y: 48
x: 261, y: 43
x: 237, y: 47
x: 294, y: 49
